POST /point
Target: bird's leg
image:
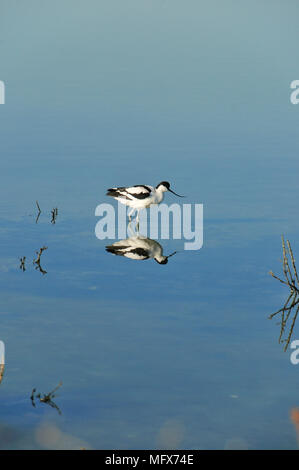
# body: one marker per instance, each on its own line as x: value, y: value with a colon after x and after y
x: 137, y: 221
x: 131, y: 213
x: 131, y: 232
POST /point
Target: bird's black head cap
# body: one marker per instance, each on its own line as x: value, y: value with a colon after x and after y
x: 163, y: 183
x: 164, y: 261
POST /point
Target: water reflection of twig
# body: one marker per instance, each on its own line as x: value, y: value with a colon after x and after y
x: 39, y: 212
x: 46, y: 398
x: 37, y: 260
x: 54, y: 213
x: 22, y: 263
x: 292, y: 281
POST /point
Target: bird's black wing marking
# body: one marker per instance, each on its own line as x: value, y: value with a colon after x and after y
x: 140, y: 252
x: 130, y: 193
x: 140, y: 195
x: 139, y: 191
x: 125, y: 250
x: 116, y: 250
x: 117, y: 192
x: 142, y: 186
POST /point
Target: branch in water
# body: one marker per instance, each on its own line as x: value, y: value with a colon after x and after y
x: 292, y: 281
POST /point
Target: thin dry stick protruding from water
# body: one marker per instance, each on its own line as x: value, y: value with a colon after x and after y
x: 292, y: 281
x: 22, y: 263
x: 39, y: 212
x: 54, y: 213
x: 46, y: 398
x: 37, y: 260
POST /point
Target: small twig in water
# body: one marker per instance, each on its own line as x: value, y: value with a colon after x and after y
x: 22, y: 263
x: 37, y: 260
x: 46, y: 398
x: 39, y: 212
x: 54, y: 213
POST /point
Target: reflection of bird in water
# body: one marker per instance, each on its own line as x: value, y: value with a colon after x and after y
x: 140, y: 196
x: 139, y: 248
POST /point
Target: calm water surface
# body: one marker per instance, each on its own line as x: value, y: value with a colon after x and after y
x: 180, y: 355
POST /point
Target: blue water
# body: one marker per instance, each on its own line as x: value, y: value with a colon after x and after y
x: 182, y: 355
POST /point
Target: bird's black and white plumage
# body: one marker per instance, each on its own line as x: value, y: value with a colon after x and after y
x: 140, y: 196
x: 139, y: 248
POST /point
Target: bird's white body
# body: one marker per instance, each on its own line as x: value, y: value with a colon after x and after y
x: 140, y: 196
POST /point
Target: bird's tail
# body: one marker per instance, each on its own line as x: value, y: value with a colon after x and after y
x: 115, y: 250
x: 112, y: 192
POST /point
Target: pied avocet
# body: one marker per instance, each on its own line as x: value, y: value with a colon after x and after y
x: 140, y: 196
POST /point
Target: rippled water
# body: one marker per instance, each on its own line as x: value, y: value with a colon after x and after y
x: 180, y: 355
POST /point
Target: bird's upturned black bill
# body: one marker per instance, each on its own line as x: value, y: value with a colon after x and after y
x: 169, y: 256
x: 175, y: 193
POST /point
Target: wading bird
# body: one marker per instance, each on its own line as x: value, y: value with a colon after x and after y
x: 140, y: 196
